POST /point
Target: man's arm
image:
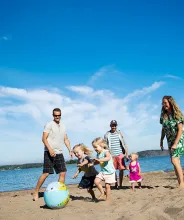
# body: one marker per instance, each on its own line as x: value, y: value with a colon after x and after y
x: 67, y: 143
x: 46, y: 143
x: 124, y: 145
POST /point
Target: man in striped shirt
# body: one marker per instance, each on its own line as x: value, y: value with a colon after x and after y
x: 118, y: 149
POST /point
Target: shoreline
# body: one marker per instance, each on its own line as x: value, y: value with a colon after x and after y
x: 75, y: 184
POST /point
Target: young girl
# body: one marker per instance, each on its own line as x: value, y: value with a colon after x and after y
x: 107, y: 173
x: 82, y: 153
x: 135, y: 171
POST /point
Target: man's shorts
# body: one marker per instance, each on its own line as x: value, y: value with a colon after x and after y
x: 119, y: 162
x: 108, y: 178
x: 56, y: 163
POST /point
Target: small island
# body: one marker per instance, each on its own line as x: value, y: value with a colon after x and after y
x: 153, y: 153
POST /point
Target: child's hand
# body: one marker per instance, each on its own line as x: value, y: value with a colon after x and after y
x: 127, y: 167
x: 74, y: 176
x: 90, y: 164
x: 96, y: 160
x: 79, y: 165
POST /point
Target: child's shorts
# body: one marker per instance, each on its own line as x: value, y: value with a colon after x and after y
x: 108, y: 178
x: 87, y: 182
x: 119, y: 162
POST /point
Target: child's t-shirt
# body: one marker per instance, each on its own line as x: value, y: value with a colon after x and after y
x: 88, y: 171
x: 107, y: 167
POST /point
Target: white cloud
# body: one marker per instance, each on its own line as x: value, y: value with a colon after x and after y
x: 172, y: 76
x: 144, y: 91
x: 83, y: 90
x: 105, y: 71
x: 86, y: 116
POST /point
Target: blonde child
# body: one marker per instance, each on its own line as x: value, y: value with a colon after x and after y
x: 82, y: 153
x: 135, y: 171
x: 107, y: 173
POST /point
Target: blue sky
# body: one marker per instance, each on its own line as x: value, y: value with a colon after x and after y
x: 97, y: 60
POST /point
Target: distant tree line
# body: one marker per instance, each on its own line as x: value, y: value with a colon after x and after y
x: 29, y: 165
x: 146, y: 153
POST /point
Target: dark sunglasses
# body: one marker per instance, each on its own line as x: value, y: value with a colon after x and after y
x: 57, y: 115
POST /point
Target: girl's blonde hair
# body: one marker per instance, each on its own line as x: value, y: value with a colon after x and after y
x: 136, y: 155
x: 175, y: 109
x: 84, y: 148
x: 101, y: 142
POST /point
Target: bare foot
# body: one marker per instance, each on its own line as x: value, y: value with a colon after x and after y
x: 101, y: 197
x: 35, y: 196
x: 181, y: 185
x: 108, y: 201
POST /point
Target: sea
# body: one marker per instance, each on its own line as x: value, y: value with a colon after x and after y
x: 23, y: 179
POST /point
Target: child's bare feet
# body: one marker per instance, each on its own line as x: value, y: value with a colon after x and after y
x: 108, y: 201
x: 181, y: 186
x: 101, y: 197
x: 35, y: 196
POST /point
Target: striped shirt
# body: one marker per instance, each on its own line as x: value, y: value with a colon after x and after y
x: 115, y: 147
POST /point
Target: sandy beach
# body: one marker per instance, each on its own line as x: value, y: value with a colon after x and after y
x: 158, y: 199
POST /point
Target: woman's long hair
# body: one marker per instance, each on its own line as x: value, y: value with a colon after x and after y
x: 177, y: 114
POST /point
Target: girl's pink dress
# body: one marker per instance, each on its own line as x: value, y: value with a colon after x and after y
x: 134, y: 173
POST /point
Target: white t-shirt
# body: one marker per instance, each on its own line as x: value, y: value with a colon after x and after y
x: 56, y: 136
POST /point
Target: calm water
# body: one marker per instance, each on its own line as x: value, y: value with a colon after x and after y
x: 12, y: 180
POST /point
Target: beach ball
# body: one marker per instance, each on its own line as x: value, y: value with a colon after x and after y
x: 56, y: 195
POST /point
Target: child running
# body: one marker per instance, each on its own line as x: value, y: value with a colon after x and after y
x: 82, y: 153
x: 107, y: 173
x: 135, y: 171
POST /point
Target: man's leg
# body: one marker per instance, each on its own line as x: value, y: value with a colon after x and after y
x: 121, y: 166
x: 121, y: 172
x: 60, y: 167
x: 40, y: 182
x: 62, y: 177
x: 47, y: 169
x: 116, y: 167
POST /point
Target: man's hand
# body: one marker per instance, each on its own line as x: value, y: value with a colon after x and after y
x: 71, y: 154
x: 52, y: 153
